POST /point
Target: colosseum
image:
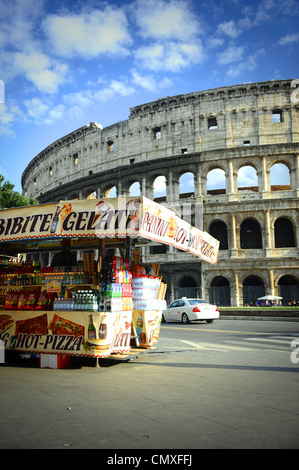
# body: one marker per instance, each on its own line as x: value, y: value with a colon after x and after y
x: 225, y: 129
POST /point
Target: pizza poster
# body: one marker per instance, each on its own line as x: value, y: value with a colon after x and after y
x: 95, y: 334
x: 146, y: 327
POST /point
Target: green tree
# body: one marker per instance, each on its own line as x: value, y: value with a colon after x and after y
x: 10, y: 198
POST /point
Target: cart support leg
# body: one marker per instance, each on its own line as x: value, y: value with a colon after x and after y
x: 97, y: 362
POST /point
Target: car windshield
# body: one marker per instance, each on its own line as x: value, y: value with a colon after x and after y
x: 197, y: 301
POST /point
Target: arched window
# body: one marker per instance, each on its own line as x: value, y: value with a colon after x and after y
x: 159, y: 187
x: 284, y: 233
x: 218, y: 230
x: 253, y: 288
x: 289, y: 290
x: 247, y: 178
x: 111, y: 192
x: 188, y: 287
x: 134, y: 189
x: 220, y: 291
x: 216, y: 183
x: 92, y: 195
x: 186, y: 184
x: 250, y: 234
x: 280, y: 177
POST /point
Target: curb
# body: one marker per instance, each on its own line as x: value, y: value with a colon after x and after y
x: 249, y: 317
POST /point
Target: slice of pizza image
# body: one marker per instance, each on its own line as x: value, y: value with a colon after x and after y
x: 35, y: 325
x: 6, y: 322
x: 62, y: 326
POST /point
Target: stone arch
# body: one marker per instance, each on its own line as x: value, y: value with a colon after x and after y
x: 280, y: 176
x: 159, y: 187
x: 91, y: 195
x: 218, y: 230
x: 247, y: 177
x: 216, y: 181
x: 219, y: 292
x: 188, y: 287
x: 288, y: 289
x: 186, y: 184
x: 111, y: 191
x: 253, y: 287
x: 135, y: 189
x: 250, y: 234
x: 284, y: 234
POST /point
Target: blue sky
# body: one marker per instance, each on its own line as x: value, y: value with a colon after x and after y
x: 67, y: 63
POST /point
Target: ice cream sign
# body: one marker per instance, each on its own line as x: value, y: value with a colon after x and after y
x: 107, y: 218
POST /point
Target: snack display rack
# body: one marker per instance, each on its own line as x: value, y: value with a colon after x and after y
x: 100, y: 306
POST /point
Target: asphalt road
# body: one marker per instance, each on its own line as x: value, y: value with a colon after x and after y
x: 229, y: 385
x: 225, y: 335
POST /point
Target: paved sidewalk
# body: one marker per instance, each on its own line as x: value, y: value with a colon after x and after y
x: 162, y: 400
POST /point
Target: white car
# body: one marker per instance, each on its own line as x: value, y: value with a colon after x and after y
x: 187, y: 310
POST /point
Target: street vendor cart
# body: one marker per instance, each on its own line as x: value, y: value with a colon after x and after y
x: 93, y: 307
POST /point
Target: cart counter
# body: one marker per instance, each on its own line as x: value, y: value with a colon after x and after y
x: 93, y: 334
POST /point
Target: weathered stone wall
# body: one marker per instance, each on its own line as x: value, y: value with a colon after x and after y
x: 225, y: 128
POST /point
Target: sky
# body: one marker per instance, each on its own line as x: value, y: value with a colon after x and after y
x: 64, y: 64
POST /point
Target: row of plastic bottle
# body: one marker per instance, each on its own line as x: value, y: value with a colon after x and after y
x: 148, y: 304
x: 146, y: 281
x: 115, y: 290
x: 87, y: 301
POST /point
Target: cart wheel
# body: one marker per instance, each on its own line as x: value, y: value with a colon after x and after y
x: 185, y: 318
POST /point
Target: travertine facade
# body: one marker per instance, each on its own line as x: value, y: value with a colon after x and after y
x: 227, y: 128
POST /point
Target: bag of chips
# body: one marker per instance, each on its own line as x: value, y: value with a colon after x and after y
x: 22, y: 299
x: 42, y: 301
x: 31, y: 301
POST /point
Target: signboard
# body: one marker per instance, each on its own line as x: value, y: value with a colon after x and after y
x: 106, y: 218
x: 146, y: 327
x: 162, y: 225
x: 94, y: 334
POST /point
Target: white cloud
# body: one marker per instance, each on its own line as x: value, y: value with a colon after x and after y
x: 35, y: 107
x: 170, y: 57
x: 82, y: 99
x: 47, y: 75
x: 89, y: 34
x: 289, y: 39
x: 265, y: 10
x: 214, y: 42
x: 56, y: 114
x: 229, y: 29
x: 116, y: 88
x: 174, y: 31
x: 22, y: 51
x: 9, y: 112
x: 149, y: 82
x: 166, y: 20
x: 230, y: 55
x: 249, y: 64
x: 17, y: 19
